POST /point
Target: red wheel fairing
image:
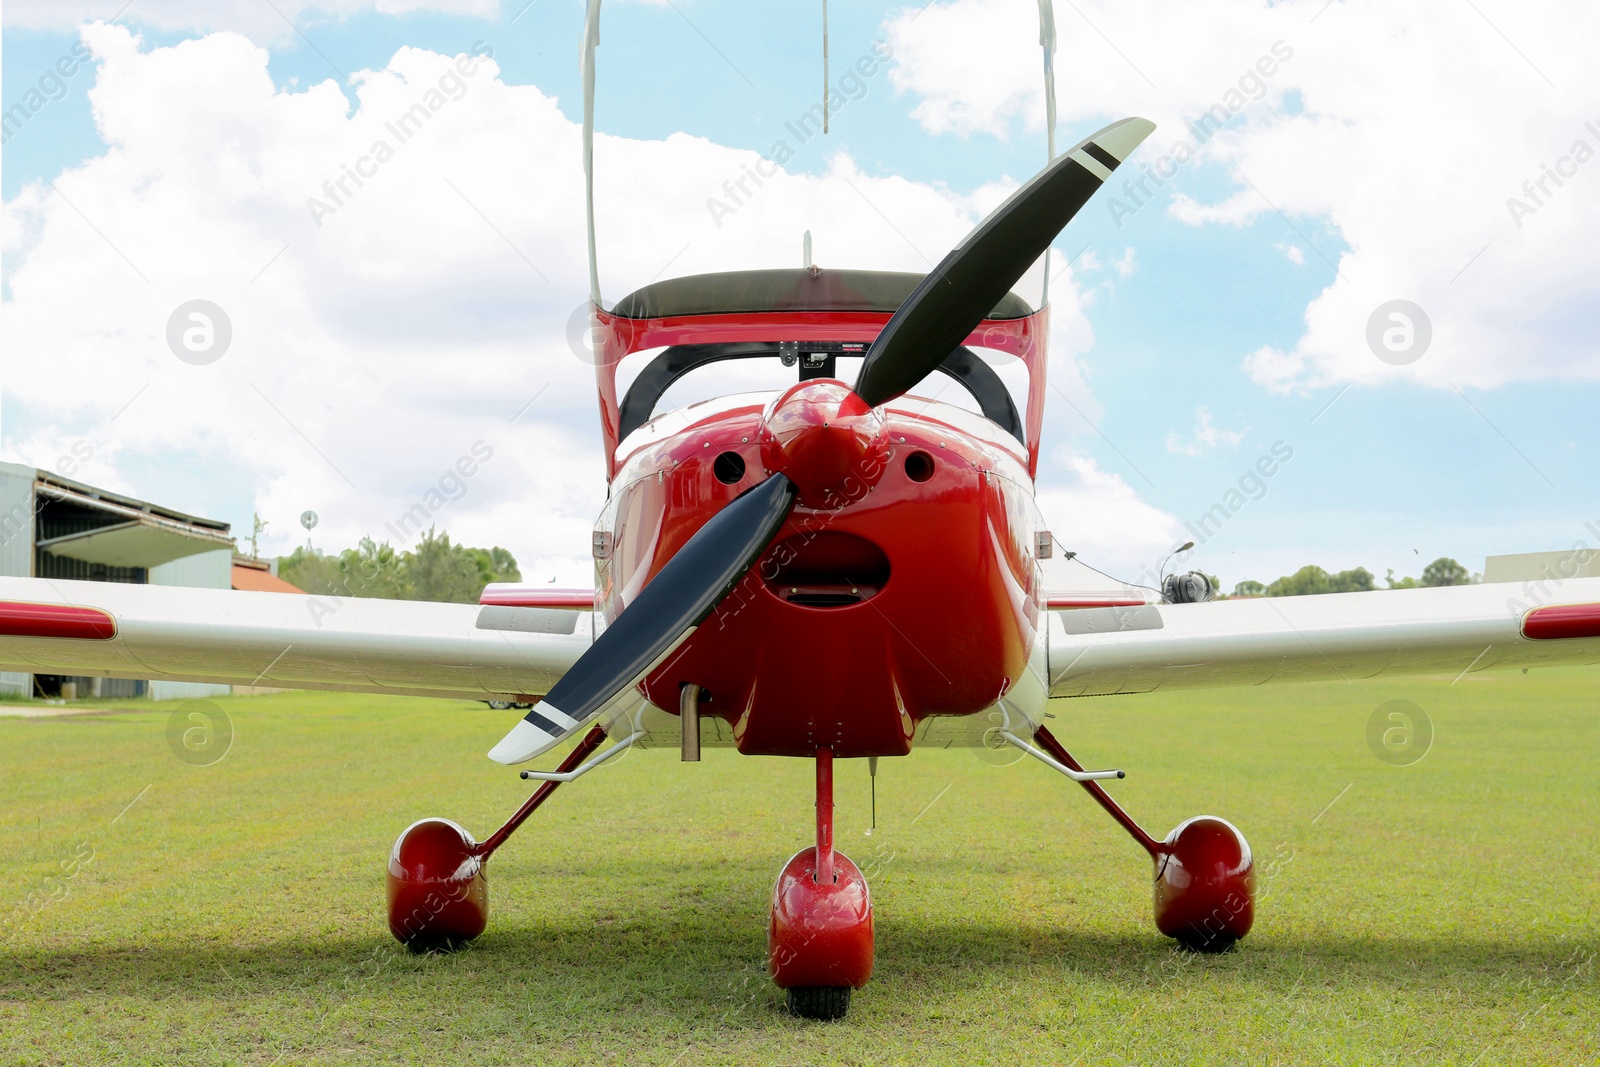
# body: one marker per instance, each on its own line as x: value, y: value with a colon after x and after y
x: 1205, y: 884
x: 820, y: 935
x: 438, y: 893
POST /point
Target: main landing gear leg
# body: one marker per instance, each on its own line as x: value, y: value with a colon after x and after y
x: 438, y: 889
x: 819, y: 943
x: 1205, y: 877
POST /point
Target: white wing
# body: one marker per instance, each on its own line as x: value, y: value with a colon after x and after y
x: 109, y: 629
x: 1455, y: 629
x: 461, y: 650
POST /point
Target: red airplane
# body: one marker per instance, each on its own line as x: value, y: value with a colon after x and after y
x: 840, y: 570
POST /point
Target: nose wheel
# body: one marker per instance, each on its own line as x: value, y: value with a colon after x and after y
x: 820, y: 939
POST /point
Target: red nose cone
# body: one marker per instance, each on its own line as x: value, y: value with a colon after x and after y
x: 827, y: 441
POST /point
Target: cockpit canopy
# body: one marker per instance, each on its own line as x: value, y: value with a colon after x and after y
x: 792, y: 191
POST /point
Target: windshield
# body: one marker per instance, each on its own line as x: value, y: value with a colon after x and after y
x: 737, y: 136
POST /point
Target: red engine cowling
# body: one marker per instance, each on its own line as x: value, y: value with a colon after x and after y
x: 820, y: 935
x: 438, y: 893
x: 1205, y: 884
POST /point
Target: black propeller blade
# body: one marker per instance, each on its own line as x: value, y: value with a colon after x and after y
x: 965, y: 287
x: 660, y: 618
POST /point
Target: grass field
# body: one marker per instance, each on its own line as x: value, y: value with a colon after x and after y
x: 1442, y: 912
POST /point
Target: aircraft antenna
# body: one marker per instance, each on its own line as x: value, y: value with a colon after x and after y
x: 872, y: 772
x: 591, y: 41
x: 824, y: 73
x: 1047, y: 43
x: 805, y: 250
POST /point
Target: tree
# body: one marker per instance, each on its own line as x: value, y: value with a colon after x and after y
x: 1311, y: 580
x: 375, y: 570
x: 500, y: 565
x: 440, y: 570
x: 1356, y: 581
x: 1445, y: 571
x: 306, y: 568
x: 1307, y: 581
x: 436, y: 570
x: 1404, y: 583
x: 371, y: 570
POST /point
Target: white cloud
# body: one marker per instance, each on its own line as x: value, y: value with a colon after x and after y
x: 256, y: 19
x: 1207, y: 436
x: 1399, y: 130
x: 1098, y: 515
x: 1279, y: 371
x: 974, y: 65
x: 378, y: 338
x: 951, y: 54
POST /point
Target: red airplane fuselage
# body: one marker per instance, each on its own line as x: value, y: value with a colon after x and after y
x: 912, y: 591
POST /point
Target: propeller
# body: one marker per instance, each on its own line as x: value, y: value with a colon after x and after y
x: 816, y: 433
x: 966, y: 285
x: 660, y: 618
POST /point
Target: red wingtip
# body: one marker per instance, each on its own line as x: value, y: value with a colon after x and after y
x: 1564, y: 620
x: 23, y: 619
x: 512, y: 595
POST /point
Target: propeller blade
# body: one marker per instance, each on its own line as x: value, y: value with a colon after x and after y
x: 971, y: 280
x: 660, y: 619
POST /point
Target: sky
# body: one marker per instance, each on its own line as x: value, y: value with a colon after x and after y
x: 1360, y: 252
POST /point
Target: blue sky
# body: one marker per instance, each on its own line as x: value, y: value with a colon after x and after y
x: 1481, y: 447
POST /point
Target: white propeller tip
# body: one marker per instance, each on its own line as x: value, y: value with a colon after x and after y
x: 1123, y: 137
x: 524, y: 742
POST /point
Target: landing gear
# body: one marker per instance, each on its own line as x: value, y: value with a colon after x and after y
x: 1205, y: 879
x: 819, y: 942
x: 438, y: 888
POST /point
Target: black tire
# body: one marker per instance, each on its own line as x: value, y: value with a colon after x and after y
x: 824, y: 1002
x: 1206, y: 944
x: 424, y: 945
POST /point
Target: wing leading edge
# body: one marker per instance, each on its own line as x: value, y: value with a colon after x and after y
x: 167, y: 633
x: 1455, y: 629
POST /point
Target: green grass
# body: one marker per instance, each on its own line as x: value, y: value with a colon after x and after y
x: 1443, y: 912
